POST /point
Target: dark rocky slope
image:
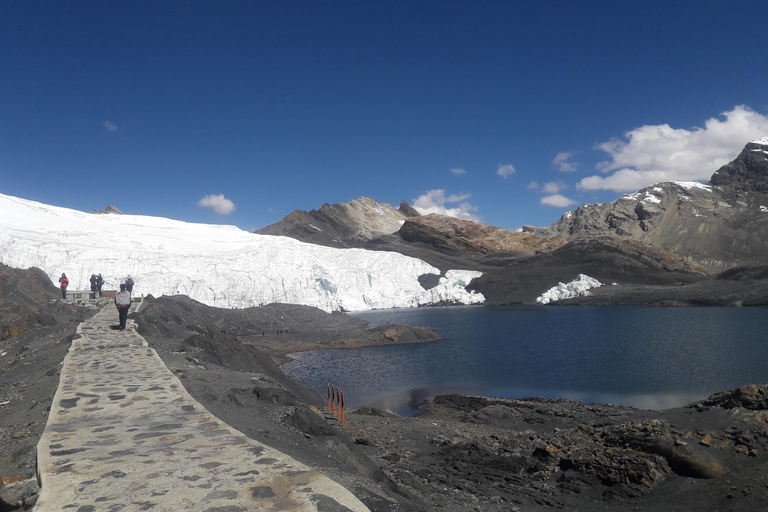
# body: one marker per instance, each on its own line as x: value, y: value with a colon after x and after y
x: 607, y: 259
x: 29, y: 300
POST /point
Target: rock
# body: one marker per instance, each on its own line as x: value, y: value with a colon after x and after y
x: 686, y: 461
x: 753, y: 397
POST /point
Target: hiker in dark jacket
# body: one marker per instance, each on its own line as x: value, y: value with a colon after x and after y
x: 99, y: 283
x: 94, y: 286
x: 123, y: 303
x: 129, y: 284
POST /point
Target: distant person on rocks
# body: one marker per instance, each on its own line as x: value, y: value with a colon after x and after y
x: 94, y: 286
x: 99, y: 283
x: 63, y: 282
x: 123, y: 303
x: 128, y: 284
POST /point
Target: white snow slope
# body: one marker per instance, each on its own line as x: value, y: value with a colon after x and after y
x: 221, y: 266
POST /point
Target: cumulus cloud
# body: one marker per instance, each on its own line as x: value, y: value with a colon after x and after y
x: 458, y: 171
x: 654, y: 153
x: 557, y: 200
x: 564, y: 162
x: 506, y: 171
x: 217, y: 203
x: 435, y: 201
x: 553, y: 187
x: 110, y: 126
x: 534, y: 185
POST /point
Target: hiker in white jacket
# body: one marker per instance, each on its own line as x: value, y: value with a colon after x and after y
x: 123, y: 302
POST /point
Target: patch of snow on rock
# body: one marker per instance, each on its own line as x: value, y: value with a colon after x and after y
x: 688, y: 185
x: 651, y: 198
x: 763, y: 141
x: 579, y: 287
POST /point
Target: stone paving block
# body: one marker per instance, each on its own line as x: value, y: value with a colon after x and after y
x: 123, y: 434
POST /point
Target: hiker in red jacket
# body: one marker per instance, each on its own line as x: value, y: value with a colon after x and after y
x: 63, y: 282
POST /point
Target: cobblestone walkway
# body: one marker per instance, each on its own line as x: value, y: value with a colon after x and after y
x: 123, y: 434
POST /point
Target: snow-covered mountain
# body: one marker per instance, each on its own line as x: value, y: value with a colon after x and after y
x: 218, y: 265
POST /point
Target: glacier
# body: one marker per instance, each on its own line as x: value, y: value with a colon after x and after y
x: 579, y: 287
x: 218, y: 265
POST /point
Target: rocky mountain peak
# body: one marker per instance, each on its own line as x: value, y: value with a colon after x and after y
x: 714, y: 224
x: 748, y: 172
x: 110, y: 209
x: 407, y: 210
x: 341, y: 224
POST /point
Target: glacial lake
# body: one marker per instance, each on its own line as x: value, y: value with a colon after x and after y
x: 651, y: 358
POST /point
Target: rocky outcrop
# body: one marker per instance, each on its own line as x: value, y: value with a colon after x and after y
x: 24, y: 297
x: 110, y: 210
x: 719, y: 225
x: 471, y: 239
x: 747, y: 174
x: 407, y: 210
x: 341, y: 225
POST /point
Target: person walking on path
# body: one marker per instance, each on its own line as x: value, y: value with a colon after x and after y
x: 123, y: 302
x: 63, y: 282
x: 99, y: 283
x: 129, y: 283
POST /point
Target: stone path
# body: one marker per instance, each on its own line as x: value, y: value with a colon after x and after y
x: 123, y: 434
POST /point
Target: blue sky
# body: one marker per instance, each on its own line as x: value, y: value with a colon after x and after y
x: 508, y: 112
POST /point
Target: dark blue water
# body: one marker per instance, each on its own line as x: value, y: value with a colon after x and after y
x: 652, y: 358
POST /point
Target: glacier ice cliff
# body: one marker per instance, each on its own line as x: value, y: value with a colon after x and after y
x: 217, y: 265
x: 579, y: 287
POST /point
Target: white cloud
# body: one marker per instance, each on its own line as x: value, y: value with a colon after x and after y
x: 557, y: 200
x: 563, y: 162
x: 534, y: 185
x: 218, y: 203
x: 434, y: 201
x: 458, y: 171
x: 110, y: 126
x: 553, y: 187
x: 506, y: 171
x: 654, y: 153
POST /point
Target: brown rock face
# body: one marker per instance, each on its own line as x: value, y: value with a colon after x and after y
x: 472, y: 239
x: 340, y: 225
